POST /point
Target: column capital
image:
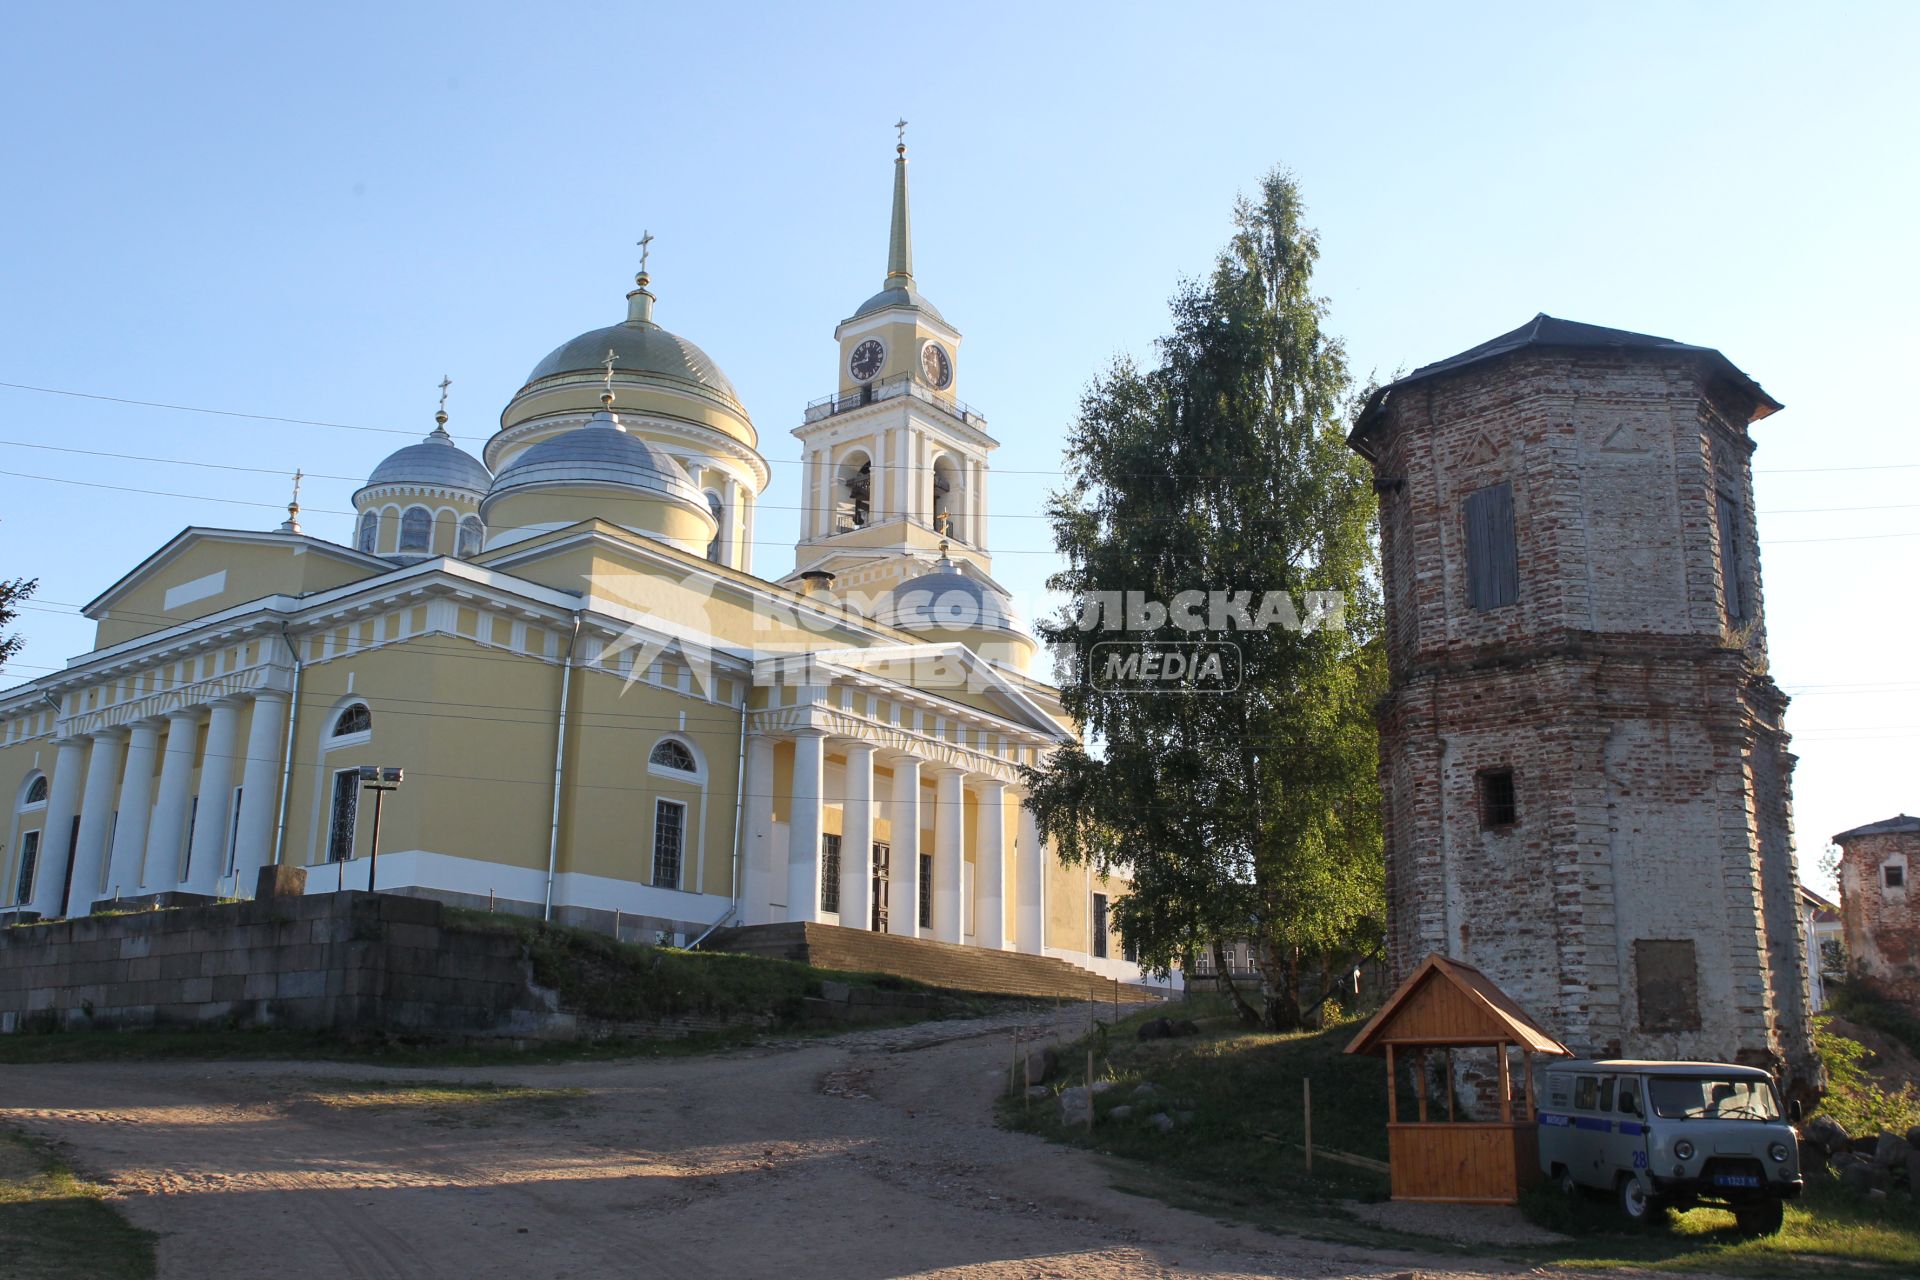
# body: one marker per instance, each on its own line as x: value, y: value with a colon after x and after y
x: 851, y: 745
x: 995, y: 787
x: 112, y: 733
x: 187, y: 714
x: 76, y: 740
x: 271, y: 695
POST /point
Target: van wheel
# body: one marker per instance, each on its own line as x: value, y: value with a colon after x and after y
x: 1563, y: 1178
x: 1636, y: 1206
x: 1760, y: 1219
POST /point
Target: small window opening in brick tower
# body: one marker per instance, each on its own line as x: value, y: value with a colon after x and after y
x: 1894, y: 876
x: 1499, y: 807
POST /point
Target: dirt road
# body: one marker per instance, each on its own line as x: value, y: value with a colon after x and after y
x: 870, y: 1155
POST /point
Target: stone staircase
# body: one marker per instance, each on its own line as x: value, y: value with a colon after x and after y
x: 938, y: 964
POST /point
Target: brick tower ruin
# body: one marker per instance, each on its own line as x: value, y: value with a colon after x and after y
x: 1582, y: 761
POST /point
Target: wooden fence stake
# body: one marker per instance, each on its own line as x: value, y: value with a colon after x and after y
x: 1089, y: 1087
x: 1306, y: 1105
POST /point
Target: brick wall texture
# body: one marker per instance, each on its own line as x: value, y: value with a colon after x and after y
x: 1643, y: 734
x: 1881, y: 922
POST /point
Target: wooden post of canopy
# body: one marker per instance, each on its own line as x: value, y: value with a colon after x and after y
x: 1533, y: 1114
x: 1506, y: 1087
x: 1393, y: 1090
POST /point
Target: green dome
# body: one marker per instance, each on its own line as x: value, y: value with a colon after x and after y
x: 641, y: 349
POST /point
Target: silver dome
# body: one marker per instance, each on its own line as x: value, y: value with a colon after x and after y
x: 640, y: 349
x: 436, y: 462
x: 601, y: 453
x: 898, y: 297
x: 946, y: 599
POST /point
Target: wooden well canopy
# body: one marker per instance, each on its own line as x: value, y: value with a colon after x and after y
x: 1448, y: 1004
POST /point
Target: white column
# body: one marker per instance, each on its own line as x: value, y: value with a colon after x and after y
x: 807, y: 529
x: 96, y: 820
x: 730, y: 523
x: 903, y: 894
x: 856, y: 840
x: 207, y: 858
x: 879, y: 500
x: 162, y: 869
x: 1030, y: 872
x: 136, y: 811
x: 990, y: 867
x: 56, y: 839
x: 903, y: 474
x: 949, y: 829
x: 748, y: 498
x: 803, y: 825
x: 980, y: 505
x: 756, y: 876
x: 259, y: 790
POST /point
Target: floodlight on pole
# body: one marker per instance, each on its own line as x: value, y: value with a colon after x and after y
x: 379, y: 779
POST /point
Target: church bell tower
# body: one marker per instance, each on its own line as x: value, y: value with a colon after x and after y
x: 894, y: 468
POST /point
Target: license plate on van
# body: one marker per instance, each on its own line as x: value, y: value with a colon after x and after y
x: 1735, y: 1180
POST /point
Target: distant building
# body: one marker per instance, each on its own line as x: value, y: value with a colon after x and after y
x: 1584, y: 771
x: 1825, y: 948
x: 1879, y: 912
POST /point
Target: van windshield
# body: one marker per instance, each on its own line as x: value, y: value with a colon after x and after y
x: 1705, y: 1098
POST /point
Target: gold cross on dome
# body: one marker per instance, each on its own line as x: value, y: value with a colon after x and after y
x: 608, y: 365
x: 298, y: 476
x: 901, y: 125
x: 445, y: 382
x: 646, y: 247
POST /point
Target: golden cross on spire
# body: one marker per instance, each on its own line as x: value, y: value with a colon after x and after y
x: 646, y: 247
x: 606, y: 395
x: 901, y: 125
x: 445, y: 382
x: 298, y: 476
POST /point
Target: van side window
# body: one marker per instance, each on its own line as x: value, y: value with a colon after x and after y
x: 1606, y: 1094
x: 1586, y: 1092
x: 1629, y: 1099
x: 1559, y: 1090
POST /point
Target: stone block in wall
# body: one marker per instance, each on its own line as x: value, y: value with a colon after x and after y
x: 301, y: 984
x: 280, y: 881
x: 136, y: 946
x: 403, y: 933
x: 196, y: 990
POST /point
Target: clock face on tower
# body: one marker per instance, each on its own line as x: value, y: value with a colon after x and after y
x: 935, y: 364
x: 866, y: 359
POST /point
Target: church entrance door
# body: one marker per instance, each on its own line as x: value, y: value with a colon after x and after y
x: 882, y: 877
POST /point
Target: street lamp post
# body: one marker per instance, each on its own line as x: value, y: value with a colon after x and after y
x: 379, y: 779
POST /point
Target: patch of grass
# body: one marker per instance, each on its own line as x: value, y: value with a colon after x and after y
x: 451, y: 1103
x: 1827, y: 1226
x: 630, y: 982
x: 54, y: 1226
x: 1237, y: 1157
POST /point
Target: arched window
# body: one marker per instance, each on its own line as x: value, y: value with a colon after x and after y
x: 671, y: 753
x: 472, y: 535
x: 354, y: 719
x: 416, y: 529
x: 719, y: 522
x: 946, y: 498
x: 369, y: 530
x: 36, y: 791
x: 853, y: 504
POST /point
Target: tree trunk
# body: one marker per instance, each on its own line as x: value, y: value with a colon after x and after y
x: 1248, y: 1014
x: 1279, y: 986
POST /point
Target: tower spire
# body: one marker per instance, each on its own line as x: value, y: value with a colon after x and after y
x: 900, y: 240
x: 640, y: 301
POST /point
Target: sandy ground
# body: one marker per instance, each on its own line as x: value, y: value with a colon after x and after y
x: 873, y: 1154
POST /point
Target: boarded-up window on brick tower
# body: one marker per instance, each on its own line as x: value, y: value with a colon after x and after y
x: 1493, y: 561
x: 1732, y: 579
x: 1668, y: 977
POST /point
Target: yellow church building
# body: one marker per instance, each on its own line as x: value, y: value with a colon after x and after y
x: 604, y: 714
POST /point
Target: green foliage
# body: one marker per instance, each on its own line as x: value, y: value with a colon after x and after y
x: 12, y: 595
x: 1852, y: 1098
x: 1225, y: 468
x: 1859, y: 1005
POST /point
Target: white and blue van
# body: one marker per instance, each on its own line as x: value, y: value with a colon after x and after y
x: 1657, y: 1134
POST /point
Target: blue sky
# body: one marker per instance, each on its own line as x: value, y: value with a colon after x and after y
x: 314, y: 214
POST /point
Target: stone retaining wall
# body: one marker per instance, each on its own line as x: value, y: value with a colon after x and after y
x: 340, y: 961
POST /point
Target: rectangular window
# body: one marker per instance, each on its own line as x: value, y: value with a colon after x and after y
x: 926, y: 891
x: 1893, y: 875
x: 1606, y: 1094
x: 1668, y: 982
x: 29, y: 860
x: 1100, y: 926
x: 1128, y: 951
x: 669, y: 838
x: 1732, y: 581
x: 1586, y: 1093
x: 1493, y: 558
x: 830, y: 872
x: 233, y: 835
x: 346, y: 812
x: 1499, y: 807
